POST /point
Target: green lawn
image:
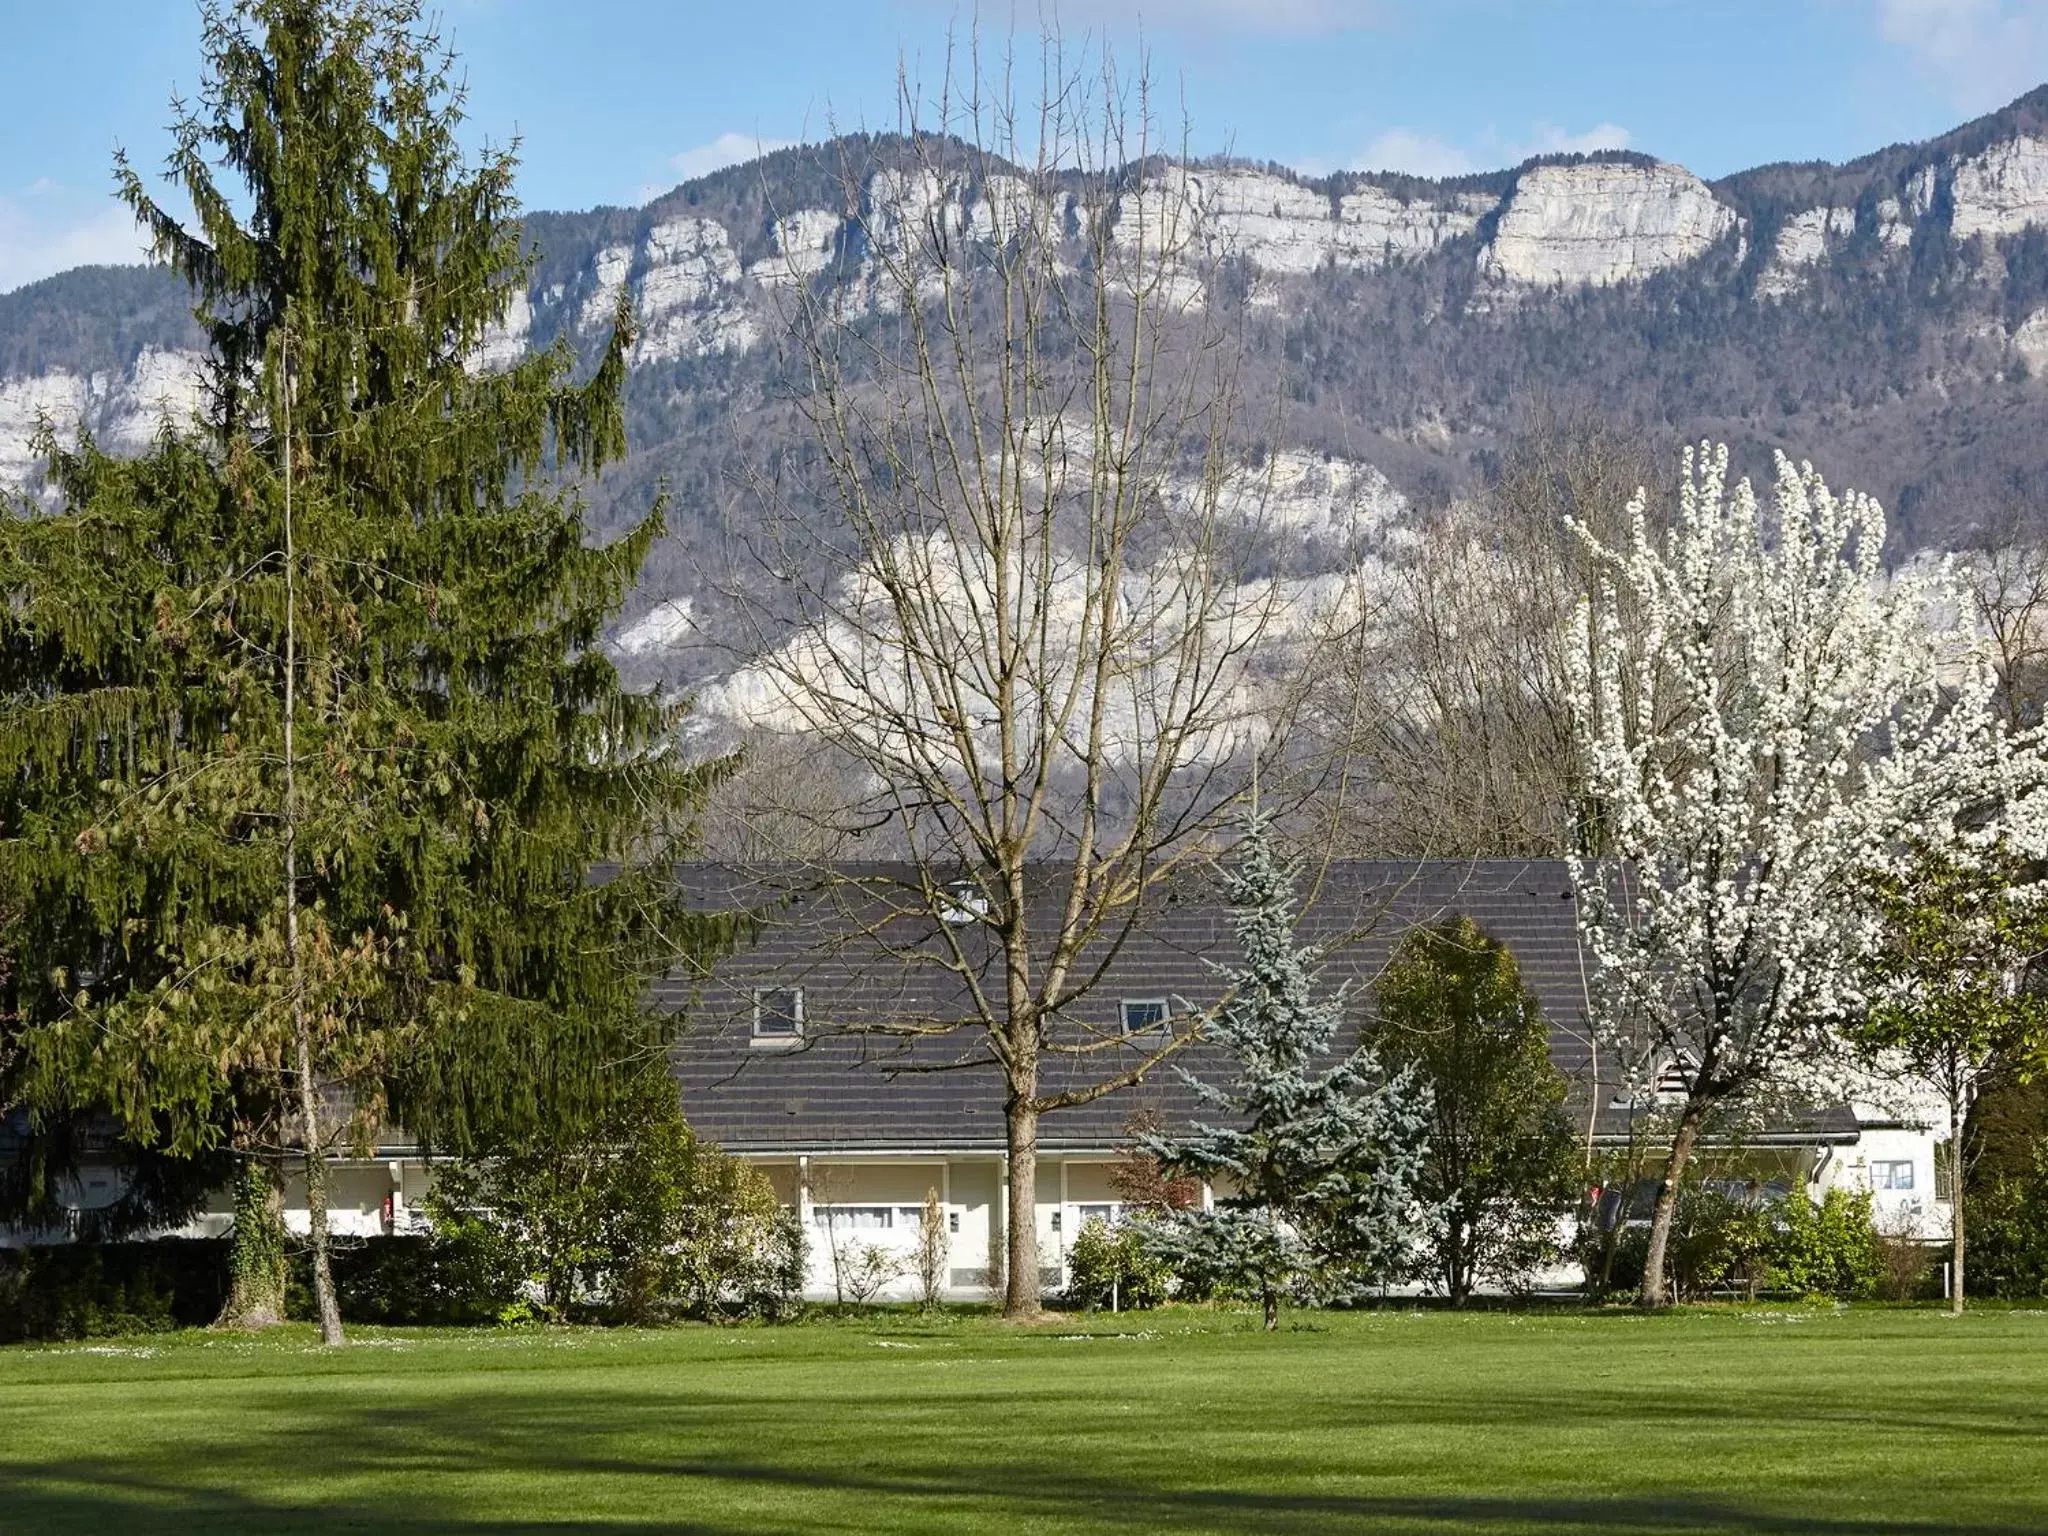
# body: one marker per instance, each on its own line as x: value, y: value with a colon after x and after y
x: 1807, y: 1421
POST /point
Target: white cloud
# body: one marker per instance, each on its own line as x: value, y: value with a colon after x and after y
x: 1549, y: 139
x: 38, y: 241
x: 1981, y: 52
x: 726, y: 149
x: 1418, y: 154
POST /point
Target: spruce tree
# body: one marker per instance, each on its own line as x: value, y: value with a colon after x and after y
x: 1319, y: 1164
x: 309, y: 742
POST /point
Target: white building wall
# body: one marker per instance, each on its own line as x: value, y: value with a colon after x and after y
x: 1875, y: 1164
x: 846, y: 1197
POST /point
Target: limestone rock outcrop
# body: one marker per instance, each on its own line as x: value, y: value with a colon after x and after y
x: 1802, y: 243
x: 1600, y: 222
x: 1284, y: 228
x: 124, y: 411
x: 505, y: 343
x: 2002, y: 191
x: 611, y: 266
x: 688, y: 299
x: 1374, y: 227
x: 804, y: 243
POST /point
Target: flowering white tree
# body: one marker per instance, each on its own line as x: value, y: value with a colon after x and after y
x: 1776, y: 719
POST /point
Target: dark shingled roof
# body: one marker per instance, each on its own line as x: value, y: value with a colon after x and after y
x: 861, y: 962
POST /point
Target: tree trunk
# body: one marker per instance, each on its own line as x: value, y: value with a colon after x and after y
x: 1272, y: 1310
x: 1020, y: 1287
x: 1611, y: 1240
x: 302, y: 1029
x: 1955, y: 1202
x: 256, y: 1255
x: 1654, y: 1292
x: 316, y: 1195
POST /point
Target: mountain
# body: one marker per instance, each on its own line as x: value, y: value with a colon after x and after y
x: 1887, y: 318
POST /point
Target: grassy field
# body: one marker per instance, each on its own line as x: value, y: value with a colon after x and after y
x: 1813, y: 1422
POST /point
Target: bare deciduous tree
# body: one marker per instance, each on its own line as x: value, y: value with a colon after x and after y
x: 1458, y: 696
x: 2006, y: 572
x: 1024, y: 618
x: 784, y: 799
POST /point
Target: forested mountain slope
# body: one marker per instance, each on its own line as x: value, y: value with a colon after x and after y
x: 1887, y: 318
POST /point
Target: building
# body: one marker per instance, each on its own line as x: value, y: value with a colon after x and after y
x: 816, y: 1052
x: 792, y: 1059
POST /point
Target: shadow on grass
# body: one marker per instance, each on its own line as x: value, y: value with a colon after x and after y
x: 723, y: 1464
x: 1046, y: 1499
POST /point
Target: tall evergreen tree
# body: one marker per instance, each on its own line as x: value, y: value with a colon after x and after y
x: 1319, y: 1164
x: 308, y: 742
x: 1502, y: 1169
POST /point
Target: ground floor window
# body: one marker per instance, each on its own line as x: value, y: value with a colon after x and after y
x: 1890, y: 1174
x: 869, y: 1218
x: 854, y: 1218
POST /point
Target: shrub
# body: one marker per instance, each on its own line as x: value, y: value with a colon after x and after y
x: 403, y: 1281
x: 638, y: 1222
x: 1718, y: 1244
x: 865, y: 1269
x: 2008, y: 1233
x: 97, y: 1290
x: 1114, y: 1266
x: 1905, y: 1260
x: 1723, y: 1244
x: 1827, y: 1250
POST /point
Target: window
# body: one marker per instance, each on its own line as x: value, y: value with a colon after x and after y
x: 1104, y: 1212
x: 778, y: 1014
x: 854, y: 1218
x: 962, y: 904
x: 1143, y: 1013
x: 1891, y: 1175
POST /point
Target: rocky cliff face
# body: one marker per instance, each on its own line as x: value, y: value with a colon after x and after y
x: 1575, y: 225
x: 1892, y: 312
x: 2002, y: 191
x: 122, y: 409
x: 1285, y: 227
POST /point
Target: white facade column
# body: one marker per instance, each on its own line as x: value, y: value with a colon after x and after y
x: 1066, y: 1221
x: 999, y: 1236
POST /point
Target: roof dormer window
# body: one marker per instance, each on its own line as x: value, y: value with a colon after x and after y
x: 1143, y: 1015
x: 778, y: 1016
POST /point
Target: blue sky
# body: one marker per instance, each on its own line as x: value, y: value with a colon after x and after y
x: 616, y: 100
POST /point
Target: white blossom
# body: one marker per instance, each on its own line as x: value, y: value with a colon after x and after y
x: 1768, y: 718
